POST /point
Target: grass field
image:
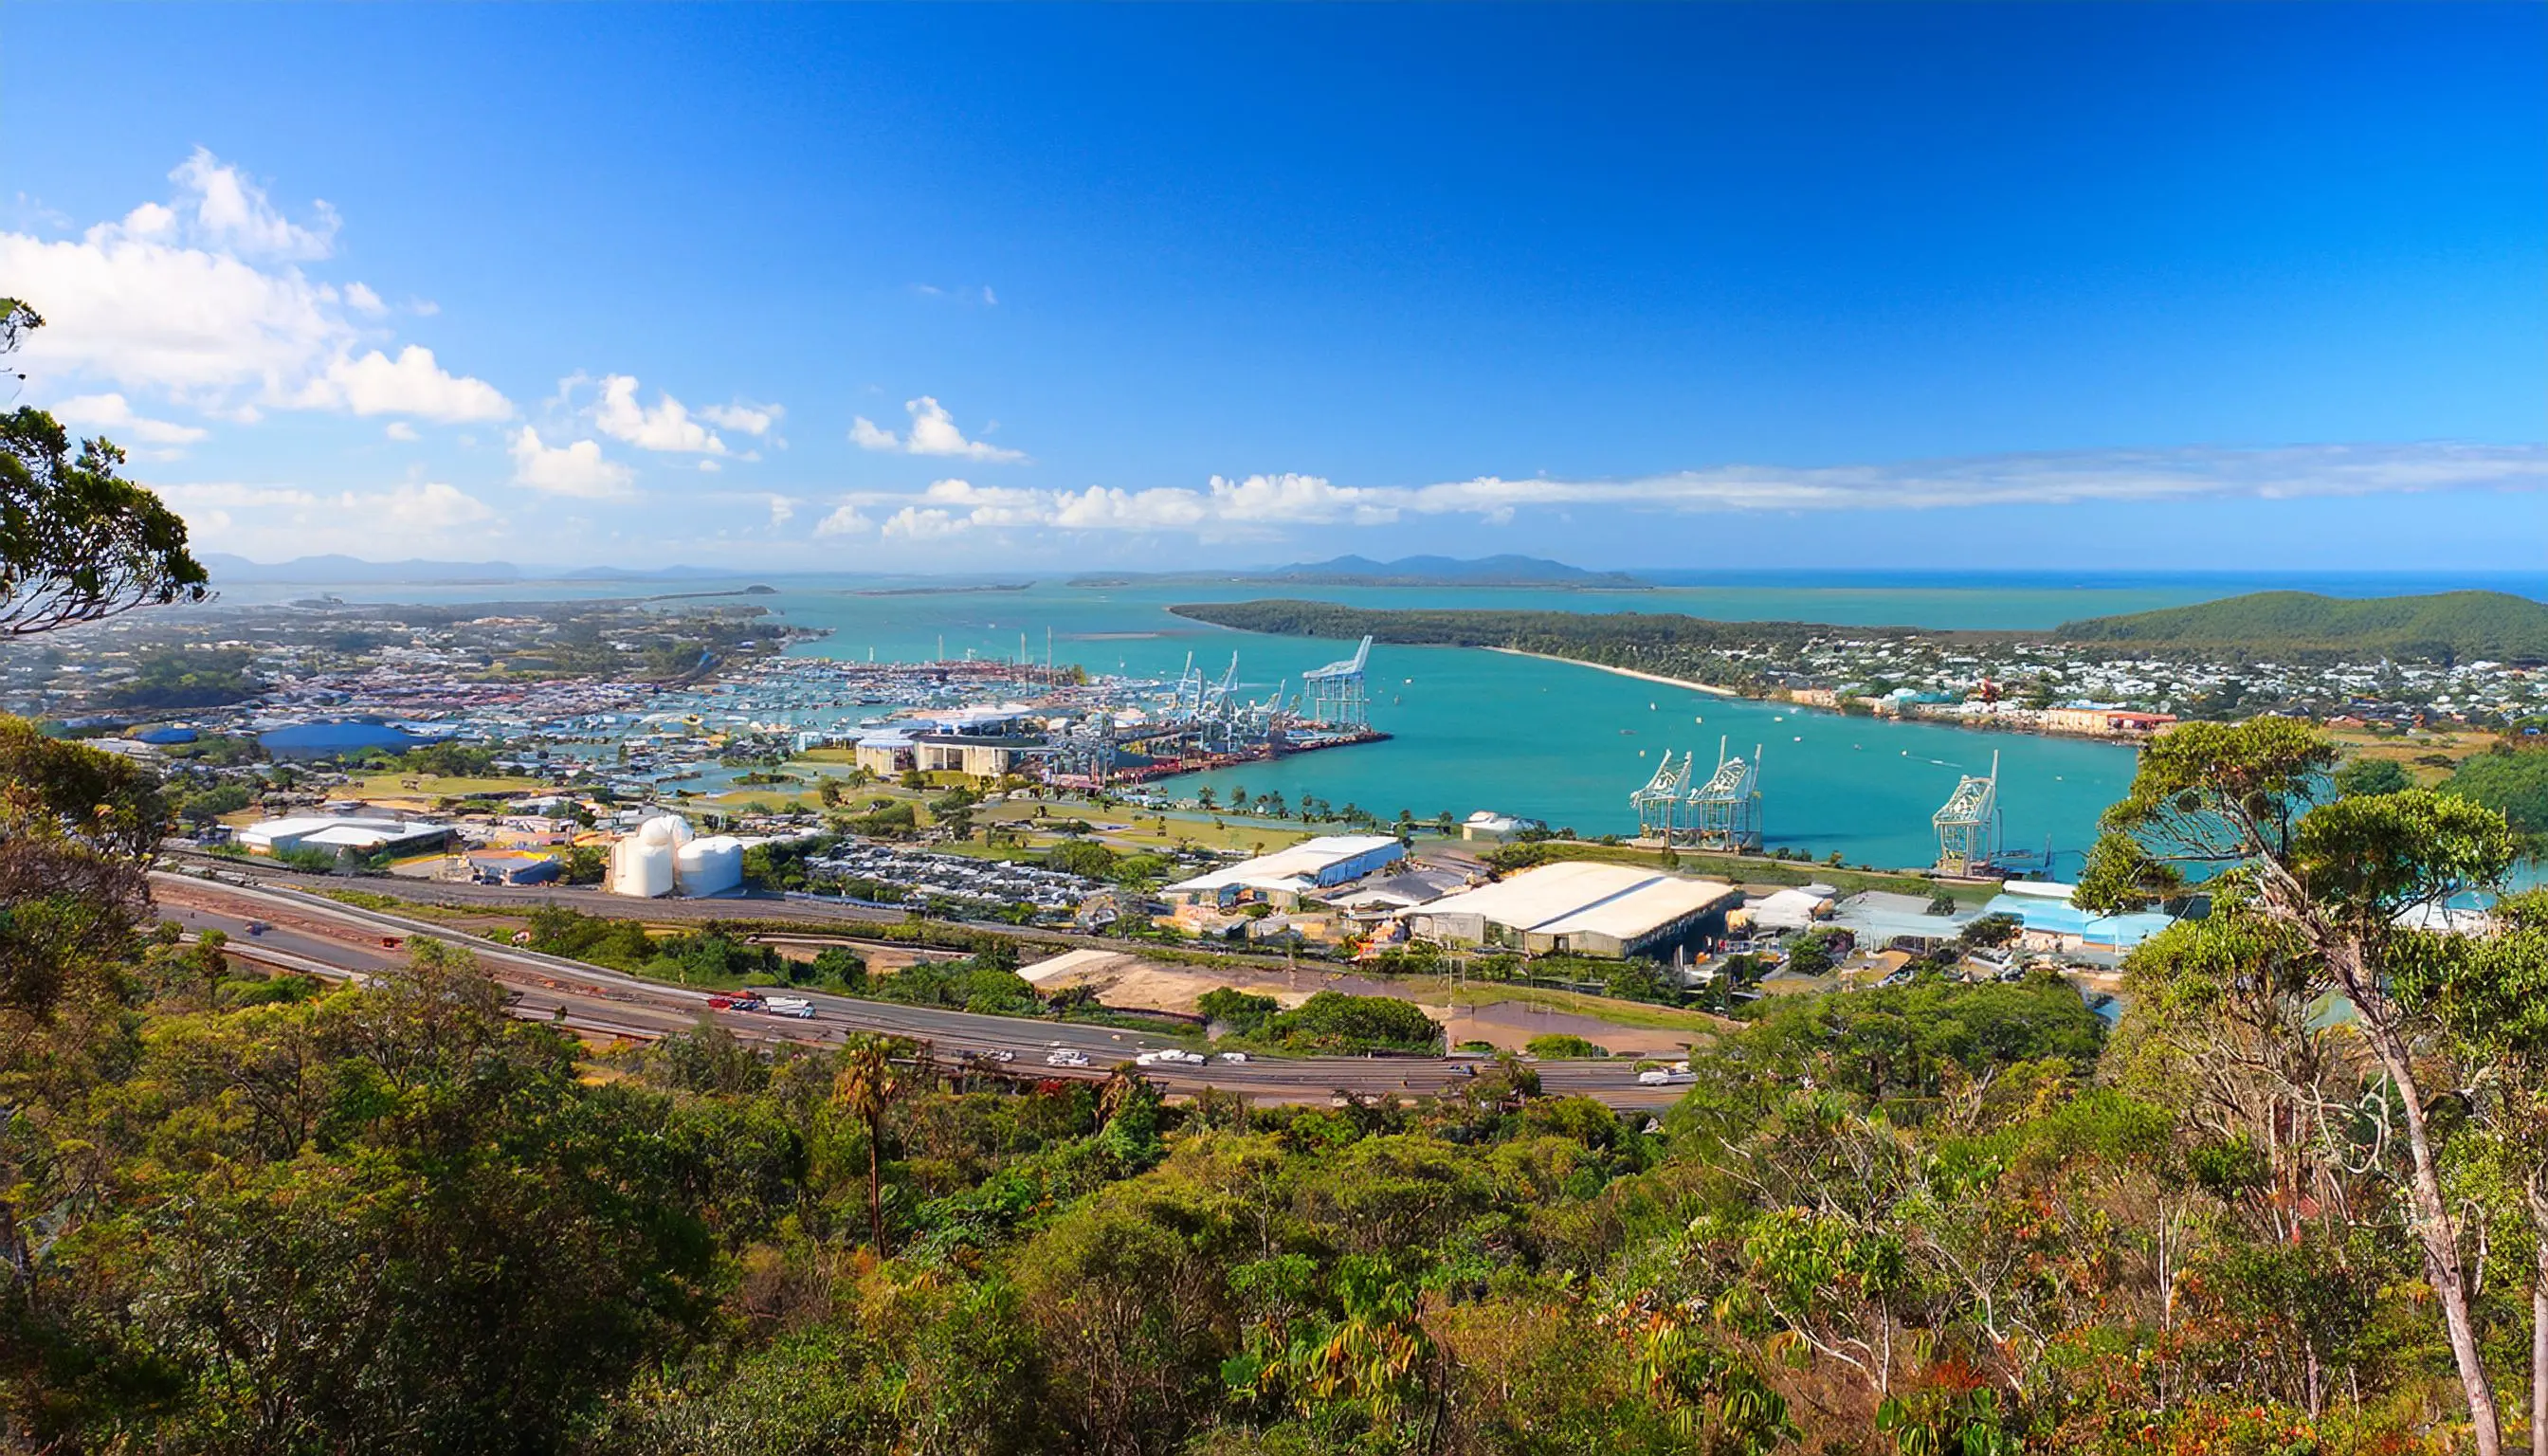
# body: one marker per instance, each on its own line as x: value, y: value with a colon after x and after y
x: 426, y: 788
x: 1697, y: 1024
x: 2412, y: 750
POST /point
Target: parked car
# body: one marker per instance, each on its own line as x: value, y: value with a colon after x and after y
x: 798, y: 1013
x: 1233, y: 1057
x: 1063, y: 1057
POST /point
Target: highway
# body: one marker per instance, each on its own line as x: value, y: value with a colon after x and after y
x: 326, y: 937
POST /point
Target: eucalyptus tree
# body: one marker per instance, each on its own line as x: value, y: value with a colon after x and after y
x: 78, y: 542
x: 2351, y: 888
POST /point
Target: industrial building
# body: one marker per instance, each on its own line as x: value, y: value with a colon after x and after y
x: 338, y: 833
x: 1286, y: 876
x: 986, y: 743
x: 2053, y: 923
x: 511, y: 867
x: 1585, y: 907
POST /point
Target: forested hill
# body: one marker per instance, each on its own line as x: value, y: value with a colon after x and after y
x: 2448, y: 626
x: 1614, y: 637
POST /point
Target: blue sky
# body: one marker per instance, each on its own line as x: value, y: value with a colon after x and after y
x: 2063, y: 285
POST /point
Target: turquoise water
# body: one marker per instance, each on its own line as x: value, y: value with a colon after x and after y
x: 1548, y: 740
x: 1552, y: 741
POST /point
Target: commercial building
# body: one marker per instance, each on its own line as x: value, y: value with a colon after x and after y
x: 505, y: 866
x: 337, y: 833
x: 886, y: 754
x: 2053, y: 923
x: 1585, y: 907
x: 1487, y: 824
x: 984, y: 756
x: 1286, y: 876
x: 2109, y: 721
x: 1797, y: 907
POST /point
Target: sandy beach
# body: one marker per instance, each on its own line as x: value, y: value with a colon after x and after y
x: 1709, y: 688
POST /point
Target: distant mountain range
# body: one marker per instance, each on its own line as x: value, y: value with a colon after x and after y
x: 1408, y: 571
x: 351, y: 571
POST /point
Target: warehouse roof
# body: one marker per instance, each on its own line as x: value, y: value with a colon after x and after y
x: 1585, y: 897
x: 1301, y: 863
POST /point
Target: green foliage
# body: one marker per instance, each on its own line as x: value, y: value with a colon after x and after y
x: 1081, y: 857
x: 1815, y: 952
x: 2372, y: 776
x: 2285, y: 626
x: 1990, y: 931
x: 252, y: 1214
x: 207, y: 805
x: 78, y: 542
x: 192, y: 678
x: 447, y: 758
x: 583, y: 865
x: 1332, y: 1023
x: 1562, y: 1047
x: 1243, y: 1013
x: 2511, y: 781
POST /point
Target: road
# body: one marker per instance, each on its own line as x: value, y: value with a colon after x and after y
x: 326, y: 937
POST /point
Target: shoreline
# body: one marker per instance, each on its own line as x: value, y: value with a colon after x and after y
x: 1710, y: 688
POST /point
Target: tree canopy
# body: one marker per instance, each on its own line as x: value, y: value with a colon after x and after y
x: 77, y: 542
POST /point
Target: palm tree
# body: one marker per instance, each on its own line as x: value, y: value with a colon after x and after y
x: 867, y: 1086
x: 1123, y: 1087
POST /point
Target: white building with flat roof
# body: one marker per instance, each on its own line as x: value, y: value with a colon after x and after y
x: 1289, y: 874
x: 362, y: 833
x: 1585, y: 906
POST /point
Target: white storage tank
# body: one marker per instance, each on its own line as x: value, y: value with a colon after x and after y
x: 708, y: 866
x: 642, y: 861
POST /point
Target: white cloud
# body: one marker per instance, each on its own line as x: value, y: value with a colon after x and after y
x: 932, y: 432
x: 232, y: 495
x: 2061, y: 479
x: 399, y: 430
x: 410, y: 384
x: 202, y: 300
x: 112, y: 413
x: 667, y: 427
x: 844, y: 520
x: 744, y: 418
x: 782, y: 509
x: 915, y: 523
x: 711, y: 467
x: 1262, y: 505
x: 577, y: 468
x: 427, y: 507
x: 228, y: 210
x: 273, y: 522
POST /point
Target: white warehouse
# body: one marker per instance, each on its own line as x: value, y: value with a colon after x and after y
x: 334, y: 833
x: 1287, y: 875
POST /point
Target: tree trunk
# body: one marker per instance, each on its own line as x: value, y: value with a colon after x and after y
x: 875, y: 1184
x: 2539, y: 1349
x: 2434, y: 1231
